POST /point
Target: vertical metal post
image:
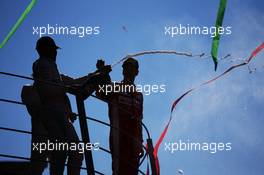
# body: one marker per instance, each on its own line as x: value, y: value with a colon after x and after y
x: 85, y: 135
x: 151, y: 157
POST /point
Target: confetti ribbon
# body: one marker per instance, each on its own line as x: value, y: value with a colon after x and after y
x: 218, y: 23
x: 174, y: 104
x: 158, y: 52
x: 202, y: 55
x: 18, y: 23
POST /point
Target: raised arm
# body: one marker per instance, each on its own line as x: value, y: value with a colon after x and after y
x: 67, y: 80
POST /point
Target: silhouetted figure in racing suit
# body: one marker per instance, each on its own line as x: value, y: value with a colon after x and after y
x: 125, y: 113
x: 31, y: 99
x: 55, y: 112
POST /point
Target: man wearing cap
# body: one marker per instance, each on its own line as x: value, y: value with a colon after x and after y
x: 55, y: 106
x: 125, y: 114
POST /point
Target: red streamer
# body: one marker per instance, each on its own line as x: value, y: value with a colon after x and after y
x: 175, y: 103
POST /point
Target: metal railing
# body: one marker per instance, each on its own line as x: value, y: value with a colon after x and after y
x: 85, y: 131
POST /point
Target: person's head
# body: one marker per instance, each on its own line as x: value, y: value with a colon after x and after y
x: 46, y: 47
x: 130, y: 70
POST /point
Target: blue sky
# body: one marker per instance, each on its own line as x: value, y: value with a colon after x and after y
x: 229, y: 110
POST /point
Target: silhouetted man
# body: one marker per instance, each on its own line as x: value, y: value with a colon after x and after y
x: 31, y: 99
x: 125, y: 113
x: 55, y: 107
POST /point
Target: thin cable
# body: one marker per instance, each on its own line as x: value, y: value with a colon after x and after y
x: 90, y: 118
x: 29, y: 78
x: 101, y: 148
x: 60, y: 85
x: 16, y: 130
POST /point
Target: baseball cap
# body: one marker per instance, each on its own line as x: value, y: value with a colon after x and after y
x: 46, y: 41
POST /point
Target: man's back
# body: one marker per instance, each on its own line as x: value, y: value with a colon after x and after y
x: 46, y: 69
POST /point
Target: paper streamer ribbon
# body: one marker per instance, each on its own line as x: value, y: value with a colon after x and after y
x: 218, y: 23
x: 158, y: 52
x: 174, y: 105
x: 18, y: 23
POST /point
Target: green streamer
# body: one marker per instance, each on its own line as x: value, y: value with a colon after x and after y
x: 218, y: 23
x: 18, y: 23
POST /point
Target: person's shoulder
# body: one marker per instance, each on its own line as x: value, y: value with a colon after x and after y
x: 114, y: 90
x: 36, y: 61
x: 35, y: 64
x: 139, y: 95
